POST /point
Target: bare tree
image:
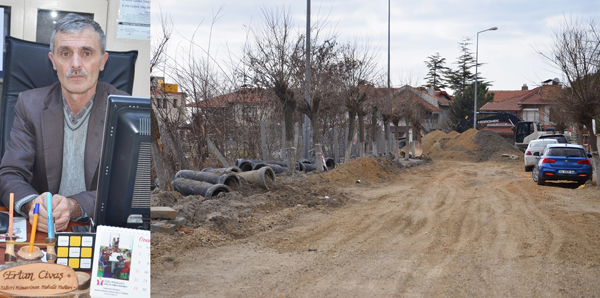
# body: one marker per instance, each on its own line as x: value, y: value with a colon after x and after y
x: 357, y: 68
x: 323, y: 81
x: 273, y: 62
x: 576, y: 53
x: 162, y: 152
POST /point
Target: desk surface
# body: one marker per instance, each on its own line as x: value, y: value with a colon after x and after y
x: 40, y: 237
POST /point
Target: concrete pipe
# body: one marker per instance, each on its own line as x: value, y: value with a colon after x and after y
x: 279, y: 163
x: 330, y: 163
x: 229, y: 179
x: 189, y: 187
x: 263, y: 176
x: 238, y: 161
x: 246, y: 165
x: 305, y: 161
x: 277, y: 168
x: 259, y: 165
x: 309, y: 167
x: 233, y: 169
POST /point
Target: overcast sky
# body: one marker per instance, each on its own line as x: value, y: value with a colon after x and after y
x: 418, y: 29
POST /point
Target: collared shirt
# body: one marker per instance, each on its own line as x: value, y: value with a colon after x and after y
x: 74, y: 119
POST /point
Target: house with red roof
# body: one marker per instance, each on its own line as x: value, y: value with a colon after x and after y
x: 531, y: 105
x: 244, y: 106
x: 433, y: 116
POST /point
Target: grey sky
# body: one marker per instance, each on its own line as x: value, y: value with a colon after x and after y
x: 418, y: 29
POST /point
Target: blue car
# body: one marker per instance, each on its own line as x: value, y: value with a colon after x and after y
x: 562, y: 162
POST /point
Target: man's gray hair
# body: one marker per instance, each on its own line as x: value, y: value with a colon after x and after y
x: 74, y: 23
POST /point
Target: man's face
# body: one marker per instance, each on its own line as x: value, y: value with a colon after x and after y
x: 78, y: 60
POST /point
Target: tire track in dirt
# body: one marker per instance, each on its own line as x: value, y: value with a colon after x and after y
x: 446, y: 229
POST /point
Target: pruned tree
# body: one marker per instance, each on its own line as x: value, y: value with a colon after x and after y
x: 273, y: 62
x: 357, y: 69
x: 575, y: 52
x: 323, y: 82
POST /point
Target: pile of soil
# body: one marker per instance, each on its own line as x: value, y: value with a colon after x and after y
x: 251, y: 209
x: 367, y: 170
x: 471, y: 145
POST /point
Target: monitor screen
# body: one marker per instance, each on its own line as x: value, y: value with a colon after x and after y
x: 123, y: 195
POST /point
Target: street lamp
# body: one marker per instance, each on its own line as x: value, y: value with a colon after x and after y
x: 477, y: 63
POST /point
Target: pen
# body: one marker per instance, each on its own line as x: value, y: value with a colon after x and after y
x: 36, y: 211
x: 11, y: 209
x: 50, y: 219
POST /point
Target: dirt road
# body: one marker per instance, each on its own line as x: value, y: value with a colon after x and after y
x: 446, y: 229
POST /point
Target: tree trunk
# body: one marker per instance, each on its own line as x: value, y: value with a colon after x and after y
x: 263, y: 141
x: 159, y: 163
x: 361, y: 134
x: 319, y: 158
x: 288, y: 109
x: 351, y: 116
x: 593, y: 143
x: 316, y: 133
x: 374, y: 130
x: 336, y: 145
x: 386, y: 129
x: 407, y: 147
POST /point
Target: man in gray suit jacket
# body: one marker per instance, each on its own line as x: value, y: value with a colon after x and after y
x: 57, y: 134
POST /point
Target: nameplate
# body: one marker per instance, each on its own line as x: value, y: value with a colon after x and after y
x: 38, y: 279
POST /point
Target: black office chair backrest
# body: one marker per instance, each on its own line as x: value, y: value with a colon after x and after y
x: 27, y: 66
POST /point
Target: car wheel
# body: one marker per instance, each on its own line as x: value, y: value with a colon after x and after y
x: 528, y: 168
x: 536, y: 176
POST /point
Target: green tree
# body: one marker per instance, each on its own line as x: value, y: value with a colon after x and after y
x: 464, y: 101
x: 459, y: 79
x: 437, y: 71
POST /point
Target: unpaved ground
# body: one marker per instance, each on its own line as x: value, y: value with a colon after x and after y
x: 446, y: 229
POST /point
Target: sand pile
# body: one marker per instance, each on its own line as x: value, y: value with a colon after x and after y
x: 367, y: 170
x: 471, y: 145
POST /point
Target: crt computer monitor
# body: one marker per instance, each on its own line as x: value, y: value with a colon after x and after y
x: 123, y: 194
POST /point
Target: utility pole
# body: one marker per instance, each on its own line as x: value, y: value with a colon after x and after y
x: 389, y: 137
x: 307, y: 81
x: 476, y: 64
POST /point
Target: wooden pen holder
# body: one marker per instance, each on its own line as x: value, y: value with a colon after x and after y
x: 50, y: 251
x: 9, y: 252
x: 35, y: 256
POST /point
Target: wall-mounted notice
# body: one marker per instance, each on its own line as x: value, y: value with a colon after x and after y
x: 134, y: 19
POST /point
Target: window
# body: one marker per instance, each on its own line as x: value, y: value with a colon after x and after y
x: 566, y: 152
x: 46, y: 20
x: 5, y: 32
x: 251, y: 111
x: 531, y: 114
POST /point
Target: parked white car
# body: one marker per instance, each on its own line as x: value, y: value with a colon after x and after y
x: 534, y: 149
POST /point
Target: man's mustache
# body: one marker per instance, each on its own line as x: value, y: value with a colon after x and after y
x: 73, y: 72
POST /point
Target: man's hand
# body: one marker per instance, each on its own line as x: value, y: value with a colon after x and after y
x: 63, y: 210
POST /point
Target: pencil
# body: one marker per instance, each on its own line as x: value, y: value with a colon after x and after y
x: 50, y: 219
x: 36, y: 211
x: 11, y: 210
